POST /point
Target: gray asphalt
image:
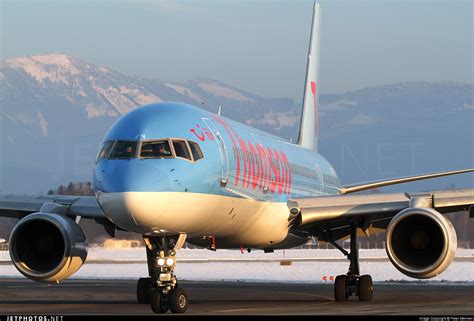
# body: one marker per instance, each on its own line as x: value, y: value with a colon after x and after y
x: 22, y: 296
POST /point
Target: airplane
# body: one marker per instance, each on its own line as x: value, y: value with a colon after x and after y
x: 175, y: 173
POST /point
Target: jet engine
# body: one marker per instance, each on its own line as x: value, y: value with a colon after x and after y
x: 420, y: 242
x: 47, y: 247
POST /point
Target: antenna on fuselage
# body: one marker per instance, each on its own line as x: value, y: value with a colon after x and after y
x: 219, y: 111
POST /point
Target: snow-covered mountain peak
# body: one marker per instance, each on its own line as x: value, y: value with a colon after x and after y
x: 56, y: 68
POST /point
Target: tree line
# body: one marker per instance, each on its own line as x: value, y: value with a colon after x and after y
x: 81, y: 189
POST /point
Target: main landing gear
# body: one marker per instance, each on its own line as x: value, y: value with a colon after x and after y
x: 352, y: 282
x: 161, y: 290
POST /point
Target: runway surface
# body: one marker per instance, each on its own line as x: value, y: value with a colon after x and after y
x: 21, y: 296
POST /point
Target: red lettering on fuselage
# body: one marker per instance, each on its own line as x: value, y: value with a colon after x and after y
x: 272, y: 169
x: 210, y: 135
x: 254, y: 167
x: 201, y: 137
x: 279, y: 172
x: 264, y: 161
x: 203, y: 133
x: 263, y: 167
x: 286, y: 166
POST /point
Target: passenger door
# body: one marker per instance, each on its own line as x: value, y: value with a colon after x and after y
x: 222, y: 150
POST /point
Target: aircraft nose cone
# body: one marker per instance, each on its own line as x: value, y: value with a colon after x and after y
x: 119, y: 176
x: 132, y: 193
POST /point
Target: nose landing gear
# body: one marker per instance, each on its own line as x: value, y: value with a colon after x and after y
x: 161, y: 289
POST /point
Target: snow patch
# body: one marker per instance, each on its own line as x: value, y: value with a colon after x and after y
x: 269, y: 118
x: 56, y: 59
x: 139, y: 96
x: 55, y: 68
x: 115, y: 98
x: 184, y: 91
x: 94, y: 111
x: 43, y: 124
x: 218, y: 90
x: 122, y: 98
x: 70, y: 99
x: 25, y: 119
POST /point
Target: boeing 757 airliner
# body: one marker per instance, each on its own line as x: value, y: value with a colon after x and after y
x: 173, y: 173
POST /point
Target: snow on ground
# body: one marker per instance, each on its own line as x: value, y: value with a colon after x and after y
x: 265, y: 267
x: 110, y: 254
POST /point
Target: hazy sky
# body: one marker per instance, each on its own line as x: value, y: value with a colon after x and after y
x: 260, y: 46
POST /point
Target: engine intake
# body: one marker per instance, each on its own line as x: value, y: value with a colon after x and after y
x: 47, y: 247
x: 420, y: 242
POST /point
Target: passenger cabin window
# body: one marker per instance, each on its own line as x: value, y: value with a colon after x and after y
x: 104, y: 151
x: 195, y: 150
x: 181, y: 149
x: 124, y: 149
x: 156, y: 149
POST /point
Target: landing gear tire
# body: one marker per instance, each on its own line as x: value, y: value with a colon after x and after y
x: 352, y: 283
x: 340, y: 288
x: 158, y: 301
x: 164, y: 305
x: 178, y: 300
x: 365, y: 288
x: 143, y: 291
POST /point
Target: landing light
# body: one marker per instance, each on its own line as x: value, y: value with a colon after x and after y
x: 169, y: 261
x: 161, y: 262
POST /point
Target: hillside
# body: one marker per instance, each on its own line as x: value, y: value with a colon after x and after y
x: 56, y: 108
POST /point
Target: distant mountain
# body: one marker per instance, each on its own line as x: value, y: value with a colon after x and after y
x: 70, y: 83
x: 400, y: 129
x: 56, y: 108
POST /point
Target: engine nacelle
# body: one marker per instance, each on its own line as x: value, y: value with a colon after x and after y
x: 47, y: 247
x: 420, y: 242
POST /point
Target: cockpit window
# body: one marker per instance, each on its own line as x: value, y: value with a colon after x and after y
x: 181, y: 149
x: 104, y: 151
x: 124, y: 149
x: 156, y: 149
x: 195, y: 150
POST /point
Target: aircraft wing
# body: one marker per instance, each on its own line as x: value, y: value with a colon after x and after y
x: 399, y: 180
x: 18, y: 206
x: 330, y: 214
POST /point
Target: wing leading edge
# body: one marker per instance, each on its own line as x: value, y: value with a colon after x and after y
x: 393, y: 181
x: 18, y: 206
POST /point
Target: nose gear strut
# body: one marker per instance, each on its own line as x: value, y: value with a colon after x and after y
x: 161, y: 289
